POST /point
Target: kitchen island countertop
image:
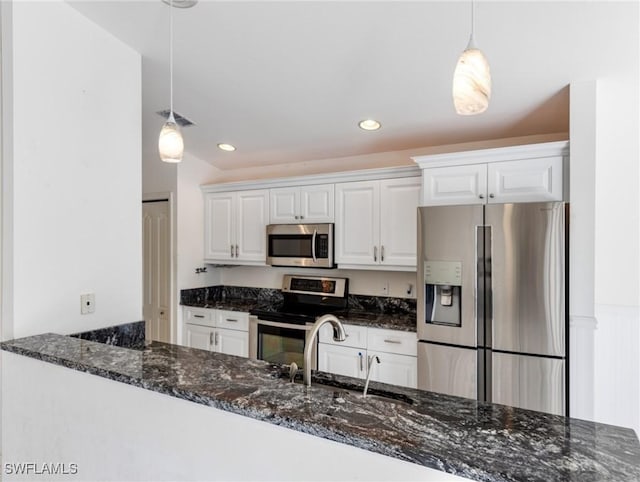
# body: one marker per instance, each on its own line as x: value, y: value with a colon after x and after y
x: 477, y: 440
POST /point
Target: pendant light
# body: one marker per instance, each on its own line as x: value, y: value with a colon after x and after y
x: 472, y: 78
x: 170, y: 143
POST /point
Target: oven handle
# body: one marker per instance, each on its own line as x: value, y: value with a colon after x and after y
x: 313, y: 245
x: 278, y: 324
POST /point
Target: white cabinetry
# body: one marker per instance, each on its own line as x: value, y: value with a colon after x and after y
x: 235, y: 227
x: 376, y: 223
x: 396, y: 350
x: 216, y: 330
x: 307, y: 204
x: 527, y: 173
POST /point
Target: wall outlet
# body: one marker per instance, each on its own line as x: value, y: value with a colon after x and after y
x: 87, y: 303
x: 385, y: 288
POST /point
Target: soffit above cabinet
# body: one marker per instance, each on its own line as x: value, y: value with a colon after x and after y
x: 349, y: 176
x: 483, y: 156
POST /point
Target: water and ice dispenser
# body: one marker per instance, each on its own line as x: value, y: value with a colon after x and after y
x: 443, y: 285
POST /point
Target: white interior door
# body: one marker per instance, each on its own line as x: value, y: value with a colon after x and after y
x: 156, y: 258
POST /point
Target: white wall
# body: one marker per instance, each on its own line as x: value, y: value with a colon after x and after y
x: 605, y: 246
x: 191, y: 173
x: 76, y: 172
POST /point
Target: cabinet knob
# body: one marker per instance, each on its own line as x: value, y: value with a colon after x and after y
x: 481, y: 196
x: 296, y: 217
x: 301, y: 217
x: 491, y: 196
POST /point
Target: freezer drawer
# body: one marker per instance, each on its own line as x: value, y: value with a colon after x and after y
x: 531, y: 382
x: 448, y: 370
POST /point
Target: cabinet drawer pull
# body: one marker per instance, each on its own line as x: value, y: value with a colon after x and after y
x: 236, y: 250
x: 395, y: 342
x: 211, y: 338
x: 375, y: 253
x: 198, y: 316
x: 361, y: 358
x: 217, y: 337
x: 232, y: 250
x: 481, y: 196
x: 382, y: 253
x: 231, y: 320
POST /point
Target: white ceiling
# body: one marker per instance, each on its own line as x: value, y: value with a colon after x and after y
x: 288, y: 81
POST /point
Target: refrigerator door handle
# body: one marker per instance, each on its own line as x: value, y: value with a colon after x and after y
x: 480, y: 285
x: 488, y: 286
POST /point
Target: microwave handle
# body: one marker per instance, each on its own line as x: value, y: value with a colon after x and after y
x: 313, y: 246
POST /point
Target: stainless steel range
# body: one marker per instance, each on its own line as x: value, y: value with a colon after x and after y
x: 279, y: 334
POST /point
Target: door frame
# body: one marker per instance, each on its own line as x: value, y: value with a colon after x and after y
x: 173, y: 306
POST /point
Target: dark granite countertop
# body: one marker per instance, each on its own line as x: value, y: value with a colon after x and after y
x: 400, y: 321
x: 477, y: 440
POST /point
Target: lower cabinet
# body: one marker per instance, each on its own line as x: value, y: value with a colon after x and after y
x: 398, y: 361
x: 202, y: 329
x: 342, y: 360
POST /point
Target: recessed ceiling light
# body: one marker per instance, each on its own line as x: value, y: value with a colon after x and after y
x: 369, y: 125
x: 226, y: 147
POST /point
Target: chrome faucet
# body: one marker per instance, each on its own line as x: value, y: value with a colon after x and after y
x: 366, y: 385
x: 338, y: 335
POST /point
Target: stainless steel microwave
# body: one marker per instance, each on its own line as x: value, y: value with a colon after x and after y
x: 302, y: 245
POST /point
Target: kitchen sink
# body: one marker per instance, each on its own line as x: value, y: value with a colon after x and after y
x: 347, y: 386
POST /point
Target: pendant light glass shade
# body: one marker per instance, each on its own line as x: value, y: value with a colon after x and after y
x: 471, y: 82
x: 170, y: 143
x: 472, y: 78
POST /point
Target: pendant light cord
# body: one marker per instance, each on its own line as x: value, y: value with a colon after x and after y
x: 171, y: 57
x: 472, y: 40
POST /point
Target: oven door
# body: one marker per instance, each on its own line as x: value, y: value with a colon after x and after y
x: 303, y: 245
x: 279, y: 343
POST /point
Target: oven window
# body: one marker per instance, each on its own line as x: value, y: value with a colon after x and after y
x: 281, y: 345
x: 290, y: 246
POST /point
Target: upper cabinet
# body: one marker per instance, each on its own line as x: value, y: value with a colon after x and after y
x: 376, y: 223
x: 505, y: 175
x: 234, y: 227
x: 297, y: 205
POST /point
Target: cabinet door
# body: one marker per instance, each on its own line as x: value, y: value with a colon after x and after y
x: 358, y: 223
x: 399, y: 199
x: 342, y: 360
x: 455, y: 185
x: 528, y: 180
x: 317, y: 204
x: 231, y: 342
x: 395, y: 369
x: 196, y: 336
x: 252, y: 215
x: 284, y: 206
x: 219, y: 225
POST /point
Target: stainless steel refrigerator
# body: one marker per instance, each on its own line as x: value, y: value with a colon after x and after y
x: 492, y: 320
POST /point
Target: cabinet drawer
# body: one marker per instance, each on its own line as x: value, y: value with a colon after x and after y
x: 392, y: 341
x: 233, y: 320
x: 199, y: 316
x: 356, y: 336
